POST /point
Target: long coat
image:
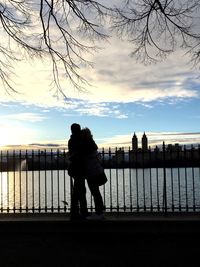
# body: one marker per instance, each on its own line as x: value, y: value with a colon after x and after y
x: 93, y: 166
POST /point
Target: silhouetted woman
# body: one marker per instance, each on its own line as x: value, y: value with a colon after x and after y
x: 92, y: 169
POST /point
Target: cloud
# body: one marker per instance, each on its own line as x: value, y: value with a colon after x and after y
x: 26, y: 116
x: 12, y: 135
x: 116, y: 141
x: 116, y: 78
x: 119, y: 78
x: 96, y: 109
x: 154, y: 138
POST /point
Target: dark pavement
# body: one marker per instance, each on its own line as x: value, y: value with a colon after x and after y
x: 119, y: 240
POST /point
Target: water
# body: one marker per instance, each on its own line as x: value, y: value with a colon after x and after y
x: 126, y: 189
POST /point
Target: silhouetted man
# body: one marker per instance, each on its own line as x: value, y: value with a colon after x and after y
x: 76, y: 170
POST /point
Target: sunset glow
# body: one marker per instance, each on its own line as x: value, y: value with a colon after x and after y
x: 10, y: 135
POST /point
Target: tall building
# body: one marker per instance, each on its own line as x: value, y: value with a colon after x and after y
x: 134, y: 142
x: 144, y: 142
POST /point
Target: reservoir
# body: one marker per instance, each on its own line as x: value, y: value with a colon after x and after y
x: 127, y: 190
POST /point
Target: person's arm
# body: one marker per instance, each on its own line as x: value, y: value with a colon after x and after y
x: 72, y: 148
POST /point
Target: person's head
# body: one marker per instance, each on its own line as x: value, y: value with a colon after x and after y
x: 86, y: 133
x: 75, y: 128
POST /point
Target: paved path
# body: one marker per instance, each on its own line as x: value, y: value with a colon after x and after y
x: 120, y: 240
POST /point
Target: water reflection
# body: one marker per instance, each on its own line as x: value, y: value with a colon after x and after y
x: 126, y: 189
x: 4, y: 189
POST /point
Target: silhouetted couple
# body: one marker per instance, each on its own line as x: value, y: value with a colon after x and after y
x: 83, y: 156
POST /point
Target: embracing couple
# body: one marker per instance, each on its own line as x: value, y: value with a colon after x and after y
x: 84, y: 164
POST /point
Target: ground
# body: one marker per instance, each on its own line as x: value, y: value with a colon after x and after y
x: 118, y: 241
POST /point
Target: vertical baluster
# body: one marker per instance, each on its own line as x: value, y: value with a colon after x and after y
x: 157, y: 182
x: 186, y: 182
x: 193, y: 183
x: 8, y: 177
x: 14, y: 171
x: 123, y: 179
x: 91, y: 203
x: 71, y: 190
x: 117, y: 179
x: 39, y: 173
x: 58, y: 178
x: 117, y: 188
x: 33, y: 189
x: 2, y: 169
x: 104, y: 186
x: 64, y: 179
x: 130, y: 180
x: 172, y: 178
x: 143, y: 179
x: 164, y: 181
x: 52, y: 197
x: 110, y: 179
x: 45, y: 180
x: 27, y: 203
x: 199, y: 166
x: 179, y: 182
x: 20, y: 181
x: 150, y: 179
x: 136, y: 177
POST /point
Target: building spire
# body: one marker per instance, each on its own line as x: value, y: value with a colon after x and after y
x: 134, y: 142
x: 144, y: 142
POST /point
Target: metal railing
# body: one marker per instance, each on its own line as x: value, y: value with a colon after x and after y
x: 159, y: 180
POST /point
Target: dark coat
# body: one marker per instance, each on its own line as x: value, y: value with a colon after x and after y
x: 93, y: 166
x: 89, y: 146
x: 74, y: 147
x: 76, y: 167
x: 79, y: 150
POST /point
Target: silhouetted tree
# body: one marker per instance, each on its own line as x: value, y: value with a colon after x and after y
x: 61, y: 29
x: 65, y: 30
x: 157, y: 27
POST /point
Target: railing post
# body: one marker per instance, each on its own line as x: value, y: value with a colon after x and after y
x: 164, y: 182
x: 71, y: 191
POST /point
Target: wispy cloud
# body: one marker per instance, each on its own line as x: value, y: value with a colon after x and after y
x: 26, y: 116
x: 116, y: 141
x: 89, y: 108
x: 154, y: 138
x: 130, y: 81
x: 116, y: 78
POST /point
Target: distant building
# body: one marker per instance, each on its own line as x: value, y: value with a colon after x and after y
x: 119, y: 156
x: 144, y: 142
x: 173, y: 148
x: 134, y: 142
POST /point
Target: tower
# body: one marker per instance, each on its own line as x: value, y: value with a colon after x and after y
x: 134, y: 143
x: 144, y: 142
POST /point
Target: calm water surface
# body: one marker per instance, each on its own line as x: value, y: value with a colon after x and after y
x: 127, y: 189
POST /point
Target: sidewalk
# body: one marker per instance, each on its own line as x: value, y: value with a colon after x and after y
x: 116, y: 223
x: 120, y: 240
x: 109, y: 216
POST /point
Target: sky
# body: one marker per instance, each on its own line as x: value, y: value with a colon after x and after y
x: 125, y: 97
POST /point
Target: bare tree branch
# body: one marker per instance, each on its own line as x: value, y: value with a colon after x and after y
x: 67, y: 30
x: 56, y: 34
x: 156, y: 27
